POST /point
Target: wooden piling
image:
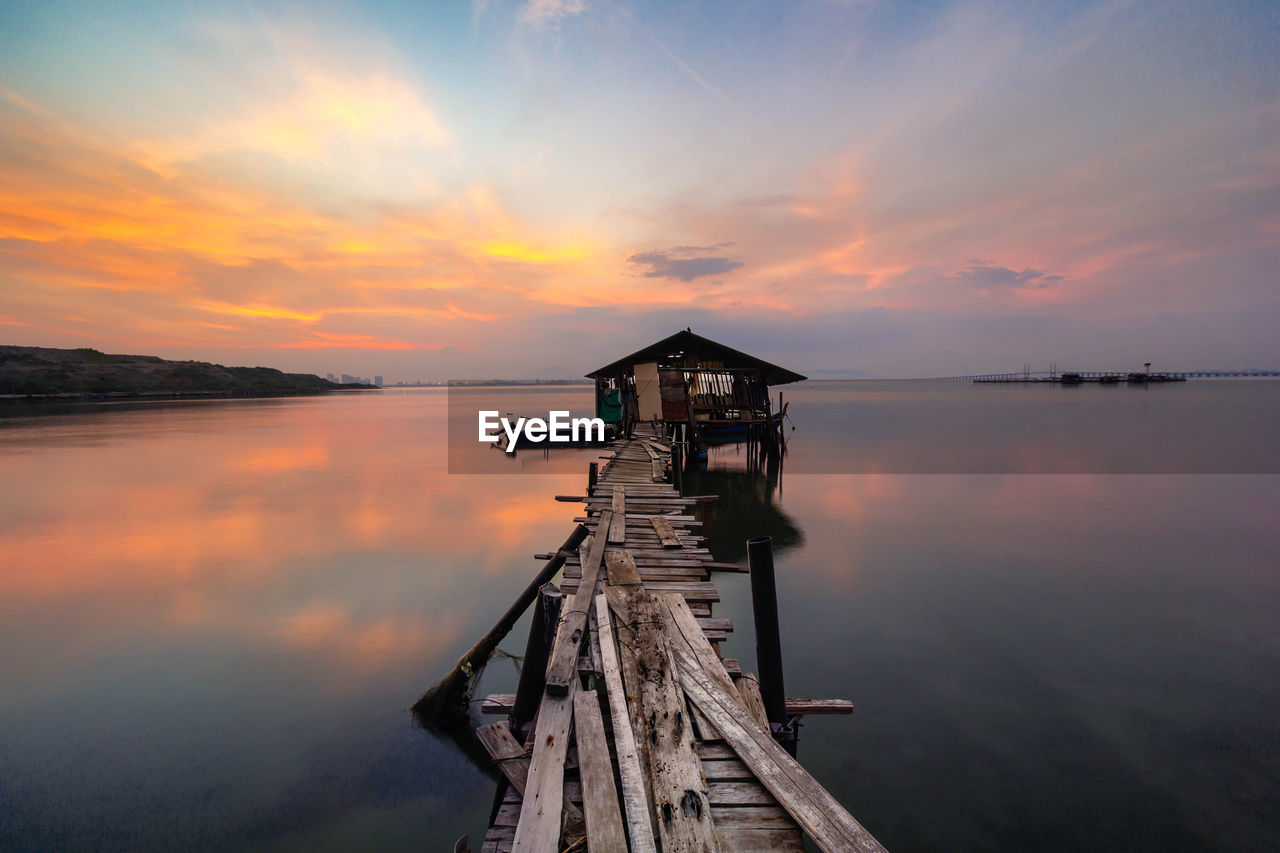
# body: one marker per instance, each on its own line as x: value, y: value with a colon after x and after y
x: 533, y: 673
x: 677, y: 468
x: 593, y: 474
x: 764, y: 609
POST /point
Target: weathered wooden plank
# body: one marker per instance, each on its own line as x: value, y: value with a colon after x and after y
x: 682, y: 809
x: 666, y: 534
x: 692, y: 590
x: 748, y: 687
x: 723, y: 769
x: 622, y: 568
x: 751, y: 839
x: 702, y: 727
x: 647, y: 572
x: 618, y: 521
x: 593, y: 640
x: 635, y: 798
x: 599, y: 797
x: 797, y: 707
x: 540, y: 812
x: 563, y: 668
x: 513, y: 761
x: 631, y: 679
x: 640, y: 520
x: 826, y: 821
x: 501, y: 703
x: 659, y: 471
x: 741, y: 790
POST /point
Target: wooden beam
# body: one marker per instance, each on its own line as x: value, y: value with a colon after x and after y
x: 563, y: 668
x: 599, y: 797
x: 681, y: 807
x: 634, y: 798
x: 631, y: 680
x: 817, y: 812
x: 513, y: 760
x: 540, y: 812
x: 501, y: 703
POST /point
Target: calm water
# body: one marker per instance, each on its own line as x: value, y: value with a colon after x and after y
x: 214, y: 614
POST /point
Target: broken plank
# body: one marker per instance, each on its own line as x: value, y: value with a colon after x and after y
x: 513, y: 760
x: 666, y: 535
x: 680, y: 801
x: 622, y: 568
x: 618, y: 521
x: 748, y: 687
x: 540, y: 812
x: 635, y: 799
x: 820, y: 814
x: 599, y: 797
x: 564, y: 654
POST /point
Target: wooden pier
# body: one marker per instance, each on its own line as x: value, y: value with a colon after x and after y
x: 644, y: 738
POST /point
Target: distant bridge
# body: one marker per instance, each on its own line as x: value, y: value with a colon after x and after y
x: 1054, y: 375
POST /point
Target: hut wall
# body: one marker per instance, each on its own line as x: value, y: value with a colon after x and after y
x: 648, y: 393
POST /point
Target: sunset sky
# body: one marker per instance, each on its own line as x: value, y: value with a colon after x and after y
x: 434, y: 190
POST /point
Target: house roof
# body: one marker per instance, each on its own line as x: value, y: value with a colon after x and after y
x: 675, y: 347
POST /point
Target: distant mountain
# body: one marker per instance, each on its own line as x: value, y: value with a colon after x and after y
x: 43, y: 370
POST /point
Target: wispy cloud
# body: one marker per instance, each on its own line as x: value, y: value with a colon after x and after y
x: 984, y: 274
x: 550, y: 12
x: 684, y: 263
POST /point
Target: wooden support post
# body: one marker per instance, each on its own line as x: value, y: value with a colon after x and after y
x: 533, y: 673
x: 677, y: 468
x: 593, y: 474
x: 434, y: 705
x: 764, y: 608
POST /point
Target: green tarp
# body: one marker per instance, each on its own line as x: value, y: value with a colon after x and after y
x: 609, y: 405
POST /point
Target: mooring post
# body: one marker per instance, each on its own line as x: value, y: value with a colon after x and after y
x: 764, y: 607
x: 593, y: 474
x: 533, y: 672
x: 677, y: 468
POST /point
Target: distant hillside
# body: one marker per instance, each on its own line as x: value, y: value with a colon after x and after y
x: 41, y: 370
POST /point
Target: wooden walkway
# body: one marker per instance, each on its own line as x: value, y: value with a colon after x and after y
x: 645, y: 738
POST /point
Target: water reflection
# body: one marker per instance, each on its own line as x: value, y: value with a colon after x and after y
x: 216, y: 612
x: 215, y: 615
x: 749, y: 505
